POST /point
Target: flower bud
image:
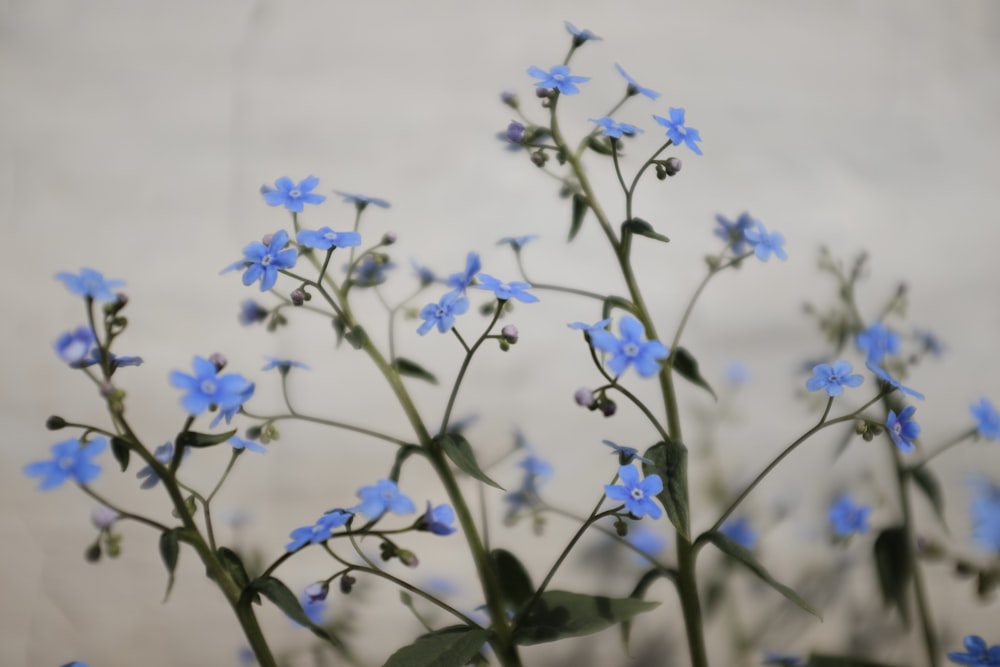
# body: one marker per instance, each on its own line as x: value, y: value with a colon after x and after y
x: 389, y: 238
x: 672, y: 166
x: 347, y: 584
x: 538, y: 158
x: 408, y: 558
x: 584, y: 397
x: 515, y: 132
x: 608, y: 407
x: 103, y: 517
x: 316, y: 592
x: 621, y: 527
x: 543, y: 93
x: 509, y: 333
x: 218, y: 360
x: 93, y: 553
x: 510, y: 99
x: 298, y: 297
x: 55, y: 422
x: 266, y: 239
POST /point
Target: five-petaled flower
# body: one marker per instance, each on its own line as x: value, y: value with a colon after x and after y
x: 734, y: 232
x: 262, y: 262
x: 442, y: 314
x: 437, y: 520
x: 207, y: 389
x: 638, y: 495
x: 985, y: 512
x: 74, y: 347
x: 320, y: 531
x: 90, y: 284
x: 461, y: 281
x: 987, y: 419
x: 291, y: 195
x: 833, y: 378
x: 626, y: 454
x: 847, y: 518
x: 372, y: 270
x: 611, y: 128
x: 557, y: 78
x: 252, y: 312
x: 71, y: 459
x: 632, y: 349
x: 677, y: 132
x: 241, y: 444
x: 506, y: 291
x: 382, y: 497
x: 362, y: 201
x: 580, y: 36
x: 876, y: 342
x: 902, y: 429
x: 325, y: 238
x: 977, y: 653
x: 765, y: 243
x: 635, y: 89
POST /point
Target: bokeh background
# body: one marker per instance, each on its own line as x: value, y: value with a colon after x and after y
x: 135, y: 138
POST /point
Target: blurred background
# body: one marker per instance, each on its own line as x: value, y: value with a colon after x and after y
x: 136, y: 136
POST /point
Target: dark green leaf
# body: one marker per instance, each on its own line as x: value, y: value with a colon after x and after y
x: 403, y: 453
x: 356, y: 337
x: 460, y: 452
x: 745, y: 556
x: 599, y: 145
x: 339, y: 328
x: 193, y: 439
x: 642, y: 228
x: 893, y: 564
x: 670, y: 463
x: 170, y: 551
x: 453, y: 646
x: 413, y: 369
x: 120, y: 448
x: 685, y: 364
x: 579, y: 211
x: 823, y: 660
x: 639, y: 592
x: 233, y: 564
x: 560, y: 614
x: 928, y: 483
x: 285, y: 600
x: 517, y: 586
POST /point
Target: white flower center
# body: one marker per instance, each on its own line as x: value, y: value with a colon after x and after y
x: 630, y: 349
x: 637, y: 493
x: 207, y: 387
x: 294, y: 194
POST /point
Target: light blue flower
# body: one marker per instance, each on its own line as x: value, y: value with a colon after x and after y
x: 325, y: 238
x: 677, y: 132
x: 74, y: 346
x: 164, y: 454
x: 557, y: 78
x: 442, y: 314
x: 977, y: 653
x: 437, y: 520
x: 590, y: 329
x: 626, y: 454
x: 517, y: 242
x: 283, y: 365
x: 634, y: 88
x: 206, y: 388
x: 382, y: 497
x: 615, y: 130
x: 987, y: 419
x: 740, y: 531
x: 362, y: 201
x: 985, y: 512
x: 262, y: 262
x: 239, y: 443
x: 320, y: 531
x: 71, y: 459
x: 461, y: 281
x: 90, y: 284
x: 252, y: 312
x: 765, y: 243
x: 902, y: 429
x: 632, y: 349
x: 370, y: 271
x: 847, y: 518
x: 506, y: 291
x: 833, y: 378
x: 876, y: 342
x: 734, y: 233
x: 580, y: 36
x: 292, y: 195
x: 883, y: 375
x: 638, y: 495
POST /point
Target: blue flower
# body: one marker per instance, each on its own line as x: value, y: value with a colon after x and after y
x: 737, y: 373
x: 506, y: 291
x: 314, y: 608
x: 437, y: 520
x: 734, y: 233
x: 536, y: 467
x: 74, y: 346
x: 425, y: 275
x: 590, y: 329
x: 648, y: 541
x: 90, y: 284
x: 902, y: 429
x: 626, y: 454
x: 740, y: 531
x: 985, y: 512
x: 976, y: 653
x: 252, y: 312
x: 325, y: 238
x: 383, y: 496
x: 442, y: 314
x: 883, y: 375
x: 461, y: 281
x: 283, y: 365
x: 371, y: 271
x: 291, y: 195
x: 987, y: 419
x: 320, y: 531
x: 637, y: 495
x: 515, y: 132
x: 579, y: 36
x: 635, y: 89
x: 206, y: 388
x: 632, y: 349
x: 833, y: 379
x: 517, y: 242
x: 846, y: 518
x: 676, y: 131
x: 557, y: 78
x: 610, y: 128
x: 71, y: 459
x: 362, y: 201
x: 247, y: 445
x: 262, y: 262
x: 164, y: 454
x: 876, y: 342
x: 765, y: 243
x: 931, y: 344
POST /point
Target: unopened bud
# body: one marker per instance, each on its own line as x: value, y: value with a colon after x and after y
x: 93, y: 553
x: 515, y: 132
x: 538, y: 158
x: 621, y: 527
x: 584, y: 397
x: 107, y: 389
x: 266, y: 239
x: 103, y: 517
x: 389, y: 238
x: 55, y: 422
x: 509, y: 333
x: 408, y: 558
x: 672, y: 166
x: 298, y: 297
x: 608, y: 407
x: 543, y: 93
x: 218, y: 360
x: 347, y: 584
x: 316, y: 592
x: 510, y: 99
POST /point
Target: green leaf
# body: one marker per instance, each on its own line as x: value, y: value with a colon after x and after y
x: 460, y: 452
x: 413, y: 369
x: 579, y: 211
x: 824, y: 660
x: 670, y: 463
x: 685, y: 364
x: 600, y: 145
x: 403, y: 453
x: 893, y: 564
x: 339, y: 328
x: 560, y: 614
x: 356, y: 337
x: 453, y: 646
x: 193, y: 439
x: 928, y: 483
x: 517, y: 586
x: 640, y: 227
x: 120, y: 448
x: 233, y: 564
x: 639, y: 592
x: 170, y: 551
x: 284, y: 599
x: 745, y: 556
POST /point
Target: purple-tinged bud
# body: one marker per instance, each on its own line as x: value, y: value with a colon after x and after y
x: 106, y: 389
x: 672, y: 166
x: 93, y: 552
x: 408, y: 558
x: 316, y: 592
x: 608, y: 407
x: 515, y: 132
x: 55, y: 422
x: 218, y: 360
x: 252, y: 312
x: 298, y: 297
x: 538, y: 158
x: 347, y: 584
x: 389, y: 238
x: 266, y: 239
x: 103, y: 517
x: 584, y: 397
x: 510, y: 99
x: 543, y: 93
x: 509, y: 333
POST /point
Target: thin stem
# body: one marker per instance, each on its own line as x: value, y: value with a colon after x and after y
x: 470, y: 352
x: 122, y: 514
x: 330, y: 422
x: 962, y: 437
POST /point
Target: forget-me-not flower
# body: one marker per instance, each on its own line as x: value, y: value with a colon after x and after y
x: 71, y: 459
x: 320, y: 531
x: 580, y: 36
x: 164, y: 454
x: 833, y: 378
x: 362, y: 201
x: 987, y: 419
x: 252, y: 312
x: 985, y: 512
x: 517, y: 242
x: 506, y: 291
x: 590, y: 329
x: 74, y: 346
x: 611, y: 128
x: 382, y: 497
x: 876, y: 342
x: 765, y: 243
x: 883, y: 375
x: 902, y: 429
x: 239, y: 443
x: 740, y: 531
x: 461, y: 281
x: 635, y: 89
x: 847, y: 518
x: 293, y: 196
x: 557, y: 78
x: 370, y: 271
x: 90, y: 284
x: 677, y: 132
x: 437, y: 520
x: 325, y: 238
x: 283, y: 365
x: 442, y: 314
x: 632, y: 349
x: 206, y: 388
x: 626, y: 454
x: 734, y: 232
x: 976, y: 653
x: 638, y: 495
x: 262, y: 262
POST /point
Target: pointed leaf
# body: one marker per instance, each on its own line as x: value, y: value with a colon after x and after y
x: 193, y: 439
x: 233, y: 564
x: 579, y: 211
x: 560, y: 614
x: 893, y: 564
x: 453, y: 646
x: 639, y: 592
x: 928, y: 483
x: 413, y: 369
x: 403, y: 453
x: 600, y: 145
x: 517, y: 586
x: 460, y: 452
x: 670, y: 463
x: 642, y: 228
x: 824, y: 660
x: 170, y: 551
x: 685, y: 364
x: 284, y: 599
x: 356, y: 337
x: 120, y: 449
x: 745, y: 556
